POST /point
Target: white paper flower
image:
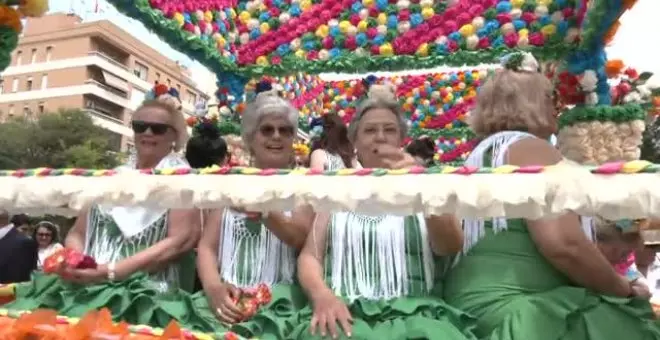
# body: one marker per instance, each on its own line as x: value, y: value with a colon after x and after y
x: 588, y: 81
x: 591, y: 98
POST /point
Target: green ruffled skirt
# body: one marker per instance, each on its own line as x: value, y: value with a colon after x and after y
x: 398, y: 319
x: 135, y: 300
x: 272, y: 321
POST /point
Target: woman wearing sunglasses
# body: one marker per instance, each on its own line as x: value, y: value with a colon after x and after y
x: 142, y: 252
x: 241, y: 249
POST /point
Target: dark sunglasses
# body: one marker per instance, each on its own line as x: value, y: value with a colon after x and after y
x: 269, y: 130
x: 140, y: 126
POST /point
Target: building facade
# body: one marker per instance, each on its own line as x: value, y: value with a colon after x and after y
x: 63, y: 63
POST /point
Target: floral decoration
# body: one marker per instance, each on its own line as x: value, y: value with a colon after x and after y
x: 630, y: 86
x: 46, y: 324
x: 278, y: 37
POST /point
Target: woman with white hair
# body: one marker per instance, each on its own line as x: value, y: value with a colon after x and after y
x: 142, y: 253
x: 241, y: 249
x: 536, y: 279
x: 371, y: 277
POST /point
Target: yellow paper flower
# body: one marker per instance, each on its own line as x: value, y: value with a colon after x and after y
x: 33, y: 8
x: 386, y: 49
x: 262, y: 61
x: 467, y: 30
x: 427, y: 13
x: 423, y: 50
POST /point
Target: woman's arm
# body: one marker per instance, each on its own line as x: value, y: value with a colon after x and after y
x: 445, y: 234
x: 207, y: 251
x: 291, y: 230
x: 317, y: 159
x: 561, y: 240
x: 310, y: 260
x: 182, y: 236
x: 75, y: 239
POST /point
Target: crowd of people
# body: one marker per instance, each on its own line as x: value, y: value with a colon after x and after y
x: 346, y: 274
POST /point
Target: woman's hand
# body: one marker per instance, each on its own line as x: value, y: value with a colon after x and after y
x: 328, y: 312
x: 253, y: 215
x: 85, y: 276
x: 395, y: 158
x: 221, y: 297
x: 640, y: 289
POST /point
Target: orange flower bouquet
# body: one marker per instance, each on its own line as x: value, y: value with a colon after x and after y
x: 251, y: 299
x: 68, y: 258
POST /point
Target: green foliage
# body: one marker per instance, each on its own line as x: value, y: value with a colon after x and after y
x: 64, y: 139
x: 651, y: 142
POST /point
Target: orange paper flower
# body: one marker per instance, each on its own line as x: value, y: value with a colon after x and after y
x: 11, y: 18
x: 614, y: 67
x: 40, y: 324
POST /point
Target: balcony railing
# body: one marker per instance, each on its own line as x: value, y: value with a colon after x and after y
x: 104, y: 116
x: 109, y: 59
x: 107, y: 88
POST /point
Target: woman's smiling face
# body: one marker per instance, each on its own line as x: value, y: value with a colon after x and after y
x: 272, y: 144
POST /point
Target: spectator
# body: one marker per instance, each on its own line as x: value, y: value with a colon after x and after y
x: 47, y: 236
x: 18, y: 253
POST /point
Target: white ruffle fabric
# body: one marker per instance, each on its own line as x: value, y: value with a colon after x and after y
x: 560, y: 188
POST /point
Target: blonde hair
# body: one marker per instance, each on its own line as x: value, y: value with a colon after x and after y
x: 379, y: 96
x: 512, y: 100
x: 177, y: 121
x: 594, y: 142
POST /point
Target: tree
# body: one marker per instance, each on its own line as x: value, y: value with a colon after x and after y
x: 65, y: 139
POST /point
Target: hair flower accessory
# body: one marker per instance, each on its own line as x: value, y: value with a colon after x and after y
x: 162, y: 92
x: 520, y: 62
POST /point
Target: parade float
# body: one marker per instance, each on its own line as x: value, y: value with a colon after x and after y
x: 291, y: 43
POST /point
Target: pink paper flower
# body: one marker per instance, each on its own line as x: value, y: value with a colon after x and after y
x: 511, y: 39
x: 536, y: 39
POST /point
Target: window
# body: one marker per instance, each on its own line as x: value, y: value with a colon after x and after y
x: 42, y: 107
x: 28, y: 84
x: 140, y: 71
x: 49, y: 52
x: 191, y: 97
x: 11, y: 110
x: 44, y: 81
x: 19, y: 58
x: 14, y: 85
x: 34, y: 56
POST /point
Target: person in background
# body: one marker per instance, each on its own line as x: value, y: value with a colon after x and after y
x: 47, y: 236
x: 22, y: 224
x: 333, y: 150
x: 18, y: 253
x: 423, y: 150
x: 206, y: 148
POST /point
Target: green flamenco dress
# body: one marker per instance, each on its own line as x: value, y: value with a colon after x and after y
x: 152, y: 300
x: 384, y: 269
x: 516, y: 294
x: 251, y: 255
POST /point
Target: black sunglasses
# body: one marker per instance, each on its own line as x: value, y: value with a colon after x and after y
x: 269, y: 130
x: 140, y: 126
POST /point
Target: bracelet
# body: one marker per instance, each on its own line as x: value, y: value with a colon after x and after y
x: 111, y: 271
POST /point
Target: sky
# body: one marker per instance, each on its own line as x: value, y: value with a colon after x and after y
x: 636, y: 42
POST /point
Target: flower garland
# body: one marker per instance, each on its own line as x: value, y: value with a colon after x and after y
x: 278, y: 37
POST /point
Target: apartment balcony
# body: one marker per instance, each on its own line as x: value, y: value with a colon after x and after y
x: 109, y: 122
